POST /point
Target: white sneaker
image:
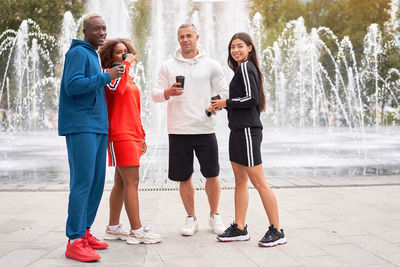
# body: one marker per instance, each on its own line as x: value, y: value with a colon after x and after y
x: 190, y: 227
x: 143, y: 237
x: 217, y: 226
x: 118, y: 233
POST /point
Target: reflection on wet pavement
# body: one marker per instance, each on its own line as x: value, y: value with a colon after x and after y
x: 41, y: 157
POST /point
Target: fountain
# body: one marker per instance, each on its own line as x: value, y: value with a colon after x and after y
x: 30, y: 70
x: 319, y: 120
x: 306, y: 91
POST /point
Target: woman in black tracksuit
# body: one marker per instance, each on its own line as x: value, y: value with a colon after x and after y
x: 246, y: 101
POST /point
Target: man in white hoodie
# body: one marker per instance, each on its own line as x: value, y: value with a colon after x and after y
x: 189, y: 127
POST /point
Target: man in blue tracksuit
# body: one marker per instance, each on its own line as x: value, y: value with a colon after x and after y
x: 83, y: 121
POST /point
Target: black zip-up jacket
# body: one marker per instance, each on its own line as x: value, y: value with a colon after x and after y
x: 243, y: 105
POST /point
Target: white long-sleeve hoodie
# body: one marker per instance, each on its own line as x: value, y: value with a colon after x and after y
x: 204, y: 78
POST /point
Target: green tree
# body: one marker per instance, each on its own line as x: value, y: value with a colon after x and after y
x: 47, y: 13
x: 276, y: 13
x: 350, y: 18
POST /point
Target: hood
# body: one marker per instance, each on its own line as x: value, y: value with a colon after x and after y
x: 179, y: 57
x: 84, y: 44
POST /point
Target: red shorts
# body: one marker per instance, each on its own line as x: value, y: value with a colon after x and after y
x: 124, y: 153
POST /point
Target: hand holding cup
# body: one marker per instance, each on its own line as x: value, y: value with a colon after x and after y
x: 174, y: 90
x: 218, y: 103
x: 116, y: 72
x: 131, y: 58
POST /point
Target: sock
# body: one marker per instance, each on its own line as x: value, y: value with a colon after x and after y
x: 137, y: 230
x: 192, y: 216
x: 215, y: 213
x: 71, y: 241
x: 113, y: 227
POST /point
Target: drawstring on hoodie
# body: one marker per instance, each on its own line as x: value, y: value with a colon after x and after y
x: 192, y: 62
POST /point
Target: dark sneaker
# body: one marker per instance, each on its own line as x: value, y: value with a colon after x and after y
x: 232, y: 233
x: 272, y: 238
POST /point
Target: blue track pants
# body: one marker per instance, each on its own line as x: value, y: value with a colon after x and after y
x: 87, y: 164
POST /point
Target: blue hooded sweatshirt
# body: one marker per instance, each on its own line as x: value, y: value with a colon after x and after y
x: 82, y: 106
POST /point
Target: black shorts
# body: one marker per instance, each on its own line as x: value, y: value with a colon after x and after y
x: 245, y: 146
x: 181, y: 147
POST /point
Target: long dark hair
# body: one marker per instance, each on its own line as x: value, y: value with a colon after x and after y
x: 252, y: 57
x: 107, y: 50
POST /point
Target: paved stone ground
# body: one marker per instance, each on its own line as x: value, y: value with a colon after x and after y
x: 328, y: 222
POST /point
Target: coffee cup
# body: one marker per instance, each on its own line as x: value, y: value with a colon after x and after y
x: 180, y: 79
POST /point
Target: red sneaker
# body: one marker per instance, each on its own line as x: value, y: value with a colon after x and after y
x: 81, y: 251
x: 93, y: 242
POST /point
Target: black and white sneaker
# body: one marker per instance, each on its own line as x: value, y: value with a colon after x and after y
x: 232, y: 233
x: 272, y: 238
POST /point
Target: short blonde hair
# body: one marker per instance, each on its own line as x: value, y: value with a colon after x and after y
x: 89, y: 17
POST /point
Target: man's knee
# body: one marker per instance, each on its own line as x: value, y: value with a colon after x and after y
x: 213, y: 182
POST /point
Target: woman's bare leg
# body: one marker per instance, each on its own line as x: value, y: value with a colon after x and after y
x: 256, y: 175
x: 116, y: 199
x: 241, y: 194
x: 130, y: 177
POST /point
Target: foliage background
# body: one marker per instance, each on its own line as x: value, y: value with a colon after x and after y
x: 344, y: 17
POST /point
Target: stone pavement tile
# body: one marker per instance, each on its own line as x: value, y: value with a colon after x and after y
x: 330, y: 181
x: 378, y: 246
x: 47, y: 241
x: 317, y: 236
x: 342, y: 229
x: 393, y: 258
x: 31, y: 187
x: 387, y: 207
x: 57, y: 252
x: 302, y: 182
x: 304, y: 198
x: 226, y: 254
x: 352, y: 254
x: 297, y: 248
x: 153, y: 259
x: 119, y: 252
x: 384, y: 265
x: 314, y: 216
x: 164, y: 211
x: 54, y: 262
x: 267, y: 256
x: 108, y: 187
x: 290, y: 221
x: 374, y: 244
x: 22, y: 257
x: 275, y: 182
x: 55, y: 187
x: 7, y: 247
x: 389, y: 232
x: 185, y: 259
x: 319, y: 261
x: 388, y: 179
x: 9, y: 225
x: 24, y: 235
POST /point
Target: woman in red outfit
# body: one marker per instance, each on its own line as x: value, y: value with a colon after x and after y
x: 126, y: 144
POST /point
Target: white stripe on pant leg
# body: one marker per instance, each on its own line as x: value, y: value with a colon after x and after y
x: 112, y: 154
x: 247, y: 146
x: 251, y: 147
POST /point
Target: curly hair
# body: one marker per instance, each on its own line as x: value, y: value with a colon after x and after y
x: 106, y: 51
